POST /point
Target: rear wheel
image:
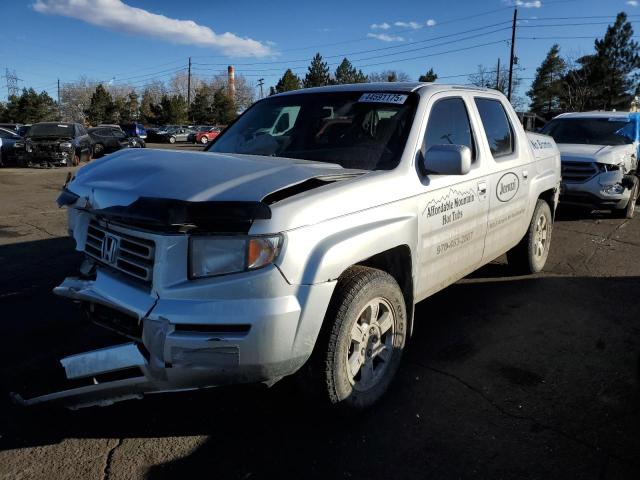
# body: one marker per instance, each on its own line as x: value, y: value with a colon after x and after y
x: 359, y: 352
x: 98, y: 150
x: 172, y: 139
x: 530, y: 255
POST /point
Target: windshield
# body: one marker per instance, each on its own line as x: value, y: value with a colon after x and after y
x: 353, y: 129
x: 592, y: 131
x: 51, y: 129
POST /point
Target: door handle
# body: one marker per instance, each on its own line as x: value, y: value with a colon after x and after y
x: 525, y: 174
x: 482, y: 188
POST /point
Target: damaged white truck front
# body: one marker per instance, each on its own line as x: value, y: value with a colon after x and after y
x: 301, y: 241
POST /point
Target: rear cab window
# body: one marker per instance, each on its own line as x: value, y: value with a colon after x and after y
x: 497, y: 127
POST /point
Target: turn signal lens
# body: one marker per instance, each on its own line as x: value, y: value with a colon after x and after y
x: 262, y: 251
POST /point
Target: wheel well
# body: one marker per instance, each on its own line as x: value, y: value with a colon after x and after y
x: 397, y: 263
x: 549, y: 196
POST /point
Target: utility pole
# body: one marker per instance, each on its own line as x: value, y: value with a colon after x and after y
x: 498, y: 75
x: 512, y: 56
x: 189, y: 91
x: 59, y: 115
x: 260, y: 84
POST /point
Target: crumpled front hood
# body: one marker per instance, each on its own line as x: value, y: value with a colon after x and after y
x: 123, y: 177
x: 615, y: 154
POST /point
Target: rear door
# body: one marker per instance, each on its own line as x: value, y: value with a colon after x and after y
x: 509, y: 182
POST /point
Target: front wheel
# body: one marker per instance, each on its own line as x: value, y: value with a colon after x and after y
x: 360, y: 351
x: 172, y: 139
x: 530, y: 255
x: 204, y: 140
x: 630, y: 209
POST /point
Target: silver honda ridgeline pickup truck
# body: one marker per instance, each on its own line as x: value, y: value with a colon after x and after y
x: 301, y: 240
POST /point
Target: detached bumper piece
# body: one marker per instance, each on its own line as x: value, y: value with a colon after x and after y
x: 113, y: 374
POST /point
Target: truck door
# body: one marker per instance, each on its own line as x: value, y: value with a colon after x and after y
x: 453, y: 208
x: 510, y: 207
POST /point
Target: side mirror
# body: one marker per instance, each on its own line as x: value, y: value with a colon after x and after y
x: 447, y: 160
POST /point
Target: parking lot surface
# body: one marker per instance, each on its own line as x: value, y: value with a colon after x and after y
x: 505, y: 376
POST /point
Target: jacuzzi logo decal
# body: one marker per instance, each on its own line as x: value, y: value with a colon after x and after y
x: 507, y: 187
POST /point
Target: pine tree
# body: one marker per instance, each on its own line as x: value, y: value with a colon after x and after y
x: 101, y: 108
x: 546, y: 89
x: 347, y: 73
x: 430, y: 76
x: 289, y: 81
x: 202, y: 105
x: 609, y: 70
x: 224, y: 110
x: 318, y: 74
x: 146, y: 107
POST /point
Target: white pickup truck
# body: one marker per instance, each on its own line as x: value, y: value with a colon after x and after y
x: 302, y: 248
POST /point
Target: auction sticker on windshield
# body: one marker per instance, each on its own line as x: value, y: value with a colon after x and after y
x: 383, y: 98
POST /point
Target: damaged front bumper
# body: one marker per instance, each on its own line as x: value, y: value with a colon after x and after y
x: 186, y: 343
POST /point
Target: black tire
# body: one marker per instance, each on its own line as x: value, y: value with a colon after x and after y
x: 630, y: 209
x: 172, y: 140
x: 98, y: 150
x: 357, y: 290
x: 530, y: 255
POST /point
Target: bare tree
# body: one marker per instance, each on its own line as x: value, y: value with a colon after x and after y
x: 576, y: 89
x: 389, y: 76
x: 244, y: 89
x: 489, y: 78
x: 75, y: 98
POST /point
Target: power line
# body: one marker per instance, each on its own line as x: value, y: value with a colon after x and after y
x: 347, y: 54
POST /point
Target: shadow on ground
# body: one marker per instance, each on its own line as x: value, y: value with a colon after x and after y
x: 504, y: 377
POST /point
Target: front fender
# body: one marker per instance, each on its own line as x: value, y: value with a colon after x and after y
x: 320, y: 253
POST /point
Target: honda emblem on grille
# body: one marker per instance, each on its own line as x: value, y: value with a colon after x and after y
x: 110, y: 249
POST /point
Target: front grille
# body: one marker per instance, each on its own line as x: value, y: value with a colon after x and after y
x: 578, y: 172
x: 114, y: 320
x: 123, y: 252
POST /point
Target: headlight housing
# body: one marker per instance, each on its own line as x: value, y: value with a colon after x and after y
x: 66, y: 145
x: 214, y: 255
x: 616, y: 189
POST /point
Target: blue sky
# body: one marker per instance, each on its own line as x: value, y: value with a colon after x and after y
x: 135, y: 41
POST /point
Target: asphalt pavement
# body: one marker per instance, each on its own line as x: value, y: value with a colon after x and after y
x: 505, y: 376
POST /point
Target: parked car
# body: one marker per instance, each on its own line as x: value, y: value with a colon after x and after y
x: 110, y: 139
x: 599, y: 159
x: 14, y: 127
x: 303, y: 250
x: 57, y: 144
x: 205, y: 135
x: 173, y: 135
x: 11, y: 147
x: 134, y: 130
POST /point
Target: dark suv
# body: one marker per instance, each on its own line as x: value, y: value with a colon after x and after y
x: 57, y: 144
x: 111, y: 139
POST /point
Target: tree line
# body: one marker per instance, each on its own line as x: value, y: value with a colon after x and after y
x: 605, y: 79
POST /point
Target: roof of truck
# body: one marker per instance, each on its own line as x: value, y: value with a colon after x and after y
x: 400, y: 87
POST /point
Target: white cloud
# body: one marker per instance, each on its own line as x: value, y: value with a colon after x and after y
x: 524, y: 3
x: 380, y: 26
x: 633, y: 3
x: 430, y: 23
x: 386, y: 38
x: 118, y: 16
x: 414, y: 25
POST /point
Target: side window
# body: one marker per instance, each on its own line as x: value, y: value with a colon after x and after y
x: 496, y: 126
x: 449, y: 125
x: 117, y: 133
